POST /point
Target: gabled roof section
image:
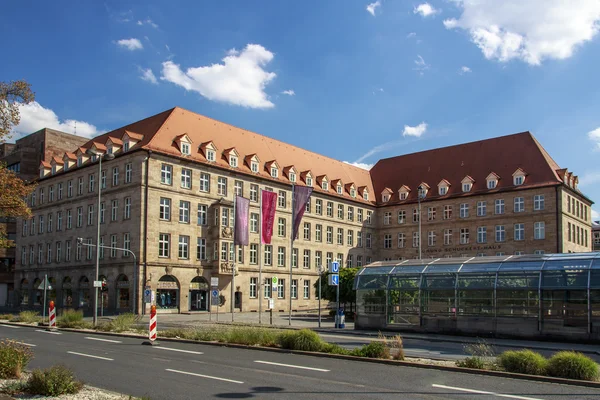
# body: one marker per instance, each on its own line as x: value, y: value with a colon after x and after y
x: 98, y: 146
x: 132, y: 135
x: 306, y: 174
x: 57, y: 160
x: 468, y: 179
x: 403, y: 188
x: 518, y: 172
x: 114, y: 140
x: 349, y: 186
x: 81, y: 151
x: 70, y: 156
x: 424, y: 185
x: 444, y: 182
x: 45, y: 164
x: 492, y: 176
x: 208, y: 145
x: 183, y: 138
x: 272, y: 163
x: 231, y: 151
x: 251, y: 157
x: 387, y: 191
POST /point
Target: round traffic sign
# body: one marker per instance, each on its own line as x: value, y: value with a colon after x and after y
x: 215, y: 293
x: 274, y: 280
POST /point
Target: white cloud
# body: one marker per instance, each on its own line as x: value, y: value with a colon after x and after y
x: 371, y: 7
x: 595, y: 137
x: 531, y: 30
x: 425, y: 10
x: 239, y: 80
x: 595, y: 215
x: 148, y: 76
x: 289, y: 92
x: 130, y: 44
x: 421, y: 65
x: 588, y: 179
x: 148, y: 22
x: 360, y: 165
x: 464, y: 70
x: 35, y: 117
x: 415, y: 131
x: 412, y: 34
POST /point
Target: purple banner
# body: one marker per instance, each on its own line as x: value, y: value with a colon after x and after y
x: 301, y: 196
x: 269, y: 203
x: 242, y: 206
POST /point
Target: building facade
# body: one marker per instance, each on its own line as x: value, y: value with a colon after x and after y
x: 168, y: 195
x: 24, y: 157
x: 596, y: 234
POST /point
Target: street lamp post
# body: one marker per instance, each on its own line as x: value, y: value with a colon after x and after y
x: 419, y: 197
x: 320, y: 267
x: 100, y: 157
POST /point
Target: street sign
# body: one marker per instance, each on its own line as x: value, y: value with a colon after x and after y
x: 214, y: 297
x: 214, y: 281
x: 271, y: 304
x: 45, y: 283
x: 334, y: 267
x: 98, y: 284
x: 147, y: 295
x: 334, y: 280
x: 274, y: 281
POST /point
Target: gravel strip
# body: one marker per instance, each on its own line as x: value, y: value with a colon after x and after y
x: 87, y: 393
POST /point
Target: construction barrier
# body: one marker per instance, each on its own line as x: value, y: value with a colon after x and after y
x: 52, y: 314
x: 152, y: 327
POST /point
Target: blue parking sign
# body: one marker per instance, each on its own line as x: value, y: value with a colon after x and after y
x: 334, y: 267
x: 334, y: 280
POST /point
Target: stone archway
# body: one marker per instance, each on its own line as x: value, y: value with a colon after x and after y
x: 84, y: 293
x: 167, y: 293
x: 123, y: 293
x: 198, y: 297
x: 67, y: 292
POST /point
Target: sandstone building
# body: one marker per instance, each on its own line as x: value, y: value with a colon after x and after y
x: 168, y: 197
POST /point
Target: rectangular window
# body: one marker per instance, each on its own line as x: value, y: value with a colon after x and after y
x: 431, y: 238
x: 481, y: 208
x: 253, y: 253
x: 318, y: 258
x: 201, y: 248
x: 306, y: 259
x: 268, y: 254
x: 115, y: 176
x: 225, y: 216
x: 165, y: 209
x: 114, y: 210
x: 127, y: 210
x: 113, y: 246
x: 69, y: 220
x: 350, y: 213
x: 103, y: 179
x: 340, y: 211
x: 69, y: 190
x: 184, y: 212
x: 202, y: 214
x: 60, y: 191
x: 500, y: 233
x: 294, y: 289
x: 294, y: 258
x: 350, y: 238
x: 538, y: 202
x: 359, y: 239
x: 90, y: 215
x: 281, y: 289
x: 415, y: 215
x: 281, y: 256
x: 204, y: 182
x: 91, y: 183
x: 41, y: 254
x: 48, y: 253
x: 164, y: 247
x: 166, y: 174
x: 79, y: 186
x: 329, y: 234
x: 539, y: 230
x: 222, y: 186
x: 59, y: 220
x: 520, y: 231
x: 306, y: 291
x: 319, y: 207
x: 368, y: 240
x: 126, y: 244
x: 238, y: 188
x: 401, y: 240
x: 128, y: 172
x: 329, y: 258
x: 318, y: 233
x: 102, y: 212
x: 79, y: 217
x: 67, y: 250
x: 430, y: 213
x: 387, y: 217
x: 340, y: 236
x: 481, y: 234
x: 281, y: 199
x: 186, y: 178
x: 464, y: 235
x: 254, y: 193
x: 416, y: 240
x: 51, y: 193
x: 519, y: 204
x: 464, y: 210
x: 307, y: 231
x: 253, y: 287
x: 50, y: 222
x: 267, y: 292
x: 447, y: 212
x: 447, y: 237
x: 499, y: 206
x: 184, y: 247
x: 254, y: 223
x: 58, y: 251
x: 330, y: 209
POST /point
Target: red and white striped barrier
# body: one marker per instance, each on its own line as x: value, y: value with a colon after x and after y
x: 52, y: 315
x: 152, y: 327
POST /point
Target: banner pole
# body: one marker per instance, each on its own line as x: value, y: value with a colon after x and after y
x: 234, y: 259
x: 260, y: 256
x: 291, y: 256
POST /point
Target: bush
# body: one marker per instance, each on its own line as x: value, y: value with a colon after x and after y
x: 372, y: 350
x: 572, y: 365
x: 251, y: 336
x: 474, y: 362
x: 7, y: 317
x: 72, y: 319
x: 523, y: 362
x: 123, y: 322
x: 305, y: 340
x: 30, y: 317
x: 54, y: 381
x: 333, y: 348
x: 394, y: 344
x: 14, y: 357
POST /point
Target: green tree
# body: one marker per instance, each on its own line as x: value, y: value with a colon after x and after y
x: 347, y: 293
x: 12, y: 95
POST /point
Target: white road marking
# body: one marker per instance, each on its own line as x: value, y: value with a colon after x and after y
x: 291, y: 366
x: 10, y: 326
x: 103, y: 340
x: 204, y: 376
x: 179, y: 350
x: 27, y: 344
x: 50, y: 332
x: 510, y: 396
x: 91, y: 356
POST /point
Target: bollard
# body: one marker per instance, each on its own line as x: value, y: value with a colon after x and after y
x: 52, y: 316
x: 152, y: 326
x: 271, y: 315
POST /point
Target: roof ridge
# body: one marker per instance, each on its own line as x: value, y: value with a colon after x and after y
x: 269, y: 137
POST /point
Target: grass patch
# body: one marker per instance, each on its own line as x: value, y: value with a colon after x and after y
x: 29, y: 317
x: 14, y: 357
x: 473, y: 362
x: 572, y: 365
x: 6, y: 317
x: 252, y: 336
x: 372, y: 350
x: 304, y: 340
x: 122, y: 323
x: 395, y: 345
x: 332, y: 348
x: 523, y: 362
x: 72, y: 319
x: 53, y: 381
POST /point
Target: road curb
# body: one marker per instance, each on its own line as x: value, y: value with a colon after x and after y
x: 500, y: 374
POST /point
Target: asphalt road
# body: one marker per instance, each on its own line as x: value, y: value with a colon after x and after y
x: 191, y: 371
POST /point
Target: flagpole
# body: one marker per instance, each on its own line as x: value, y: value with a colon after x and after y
x: 291, y: 256
x: 260, y: 282
x: 234, y: 258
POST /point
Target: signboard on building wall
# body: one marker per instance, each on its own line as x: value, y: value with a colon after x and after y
x: 167, y: 285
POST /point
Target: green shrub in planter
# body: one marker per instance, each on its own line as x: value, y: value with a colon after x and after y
x: 30, y: 317
x: 333, y: 348
x: 572, y: 365
x: 54, y: 381
x: 71, y: 319
x: 14, y: 357
x: 373, y: 350
x: 523, y: 362
x: 305, y: 340
x: 474, y: 362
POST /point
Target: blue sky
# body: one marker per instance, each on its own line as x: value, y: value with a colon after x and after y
x: 354, y: 80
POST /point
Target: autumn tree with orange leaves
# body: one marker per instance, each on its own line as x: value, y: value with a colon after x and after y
x: 13, y: 190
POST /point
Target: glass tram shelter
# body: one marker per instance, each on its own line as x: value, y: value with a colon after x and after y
x: 546, y: 296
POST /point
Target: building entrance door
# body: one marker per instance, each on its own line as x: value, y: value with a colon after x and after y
x: 198, y: 300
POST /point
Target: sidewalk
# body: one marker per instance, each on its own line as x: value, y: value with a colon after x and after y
x: 309, y: 320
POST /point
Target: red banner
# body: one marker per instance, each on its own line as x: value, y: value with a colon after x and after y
x: 269, y: 203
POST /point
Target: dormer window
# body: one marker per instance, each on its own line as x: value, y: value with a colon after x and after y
x: 385, y: 198
x: 366, y: 195
x: 325, y: 185
x: 233, y: 161
x: 309, y: 181
x: 254, y: 167
x: 492, y: 183
x: 109, y: 149
x: 210, y: 155
x: 466, y: 187
x: 274, y: 172
x: 403, y: 196
x: 126, y: 145
x: 292, y: 177
x: 94, y: 157
x: 79, y: 161
x: 443, y: 190
x: 53, y: 169
x: 353, y: 193
x: 519, y: 177
x: 66, y: 166
x: 185, y: 149
x: 339, y: 188
x: 519, y: 180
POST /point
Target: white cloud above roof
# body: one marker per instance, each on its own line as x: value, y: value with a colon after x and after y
x: 425, y: 10
x: 595, y: 137
x: 362, y: 165
x: 373, y: 6
x: 148, y: 76
x: 416, y: 131
x: 35, y: 117
x: 531, y: 31
x: 239, y: 80
x: 130, y: 44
